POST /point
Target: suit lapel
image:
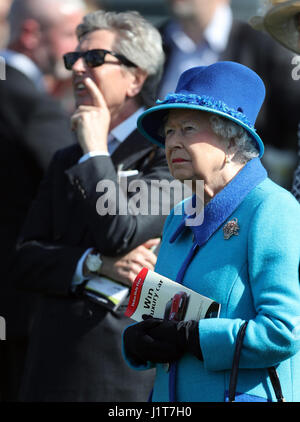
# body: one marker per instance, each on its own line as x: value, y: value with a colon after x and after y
x: 67, y: 204
x: 134, y: 148
x: 71, y: 222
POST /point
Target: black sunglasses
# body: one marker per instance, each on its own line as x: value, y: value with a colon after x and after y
x: 93, y: 58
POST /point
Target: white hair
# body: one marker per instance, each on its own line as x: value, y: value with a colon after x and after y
x: 43, y: 11
x: 139, y: 41
x: 245, y: 144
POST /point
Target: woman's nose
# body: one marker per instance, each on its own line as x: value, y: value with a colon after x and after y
x: 173, y: 141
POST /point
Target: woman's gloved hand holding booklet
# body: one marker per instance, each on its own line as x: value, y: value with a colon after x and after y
x: 158, y: 296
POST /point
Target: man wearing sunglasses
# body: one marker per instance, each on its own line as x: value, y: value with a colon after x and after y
x: 75, y: 352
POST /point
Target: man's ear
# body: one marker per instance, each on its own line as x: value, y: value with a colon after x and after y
x: 138, y: 78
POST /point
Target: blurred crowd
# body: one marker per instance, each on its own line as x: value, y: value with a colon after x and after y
x: 55, y: 339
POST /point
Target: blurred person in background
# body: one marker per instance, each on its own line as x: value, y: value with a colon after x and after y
x: 201, y: 32
x: 4, y: 27
x: 44, y: 30
x: 32, y: 128
x: 281, y: 20
x: 63, y: 39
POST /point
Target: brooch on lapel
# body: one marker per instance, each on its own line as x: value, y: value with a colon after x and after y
x: 231, y: 228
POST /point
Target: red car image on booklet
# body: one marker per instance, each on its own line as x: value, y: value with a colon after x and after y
x: 176, y: 307
x: 158, y: 296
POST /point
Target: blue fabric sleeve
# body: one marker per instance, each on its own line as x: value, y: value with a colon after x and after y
x: 273, y: 268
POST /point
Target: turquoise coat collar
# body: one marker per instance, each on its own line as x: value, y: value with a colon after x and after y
x: 225, y: 202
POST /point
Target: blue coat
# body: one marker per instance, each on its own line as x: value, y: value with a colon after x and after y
x: 255, y: 277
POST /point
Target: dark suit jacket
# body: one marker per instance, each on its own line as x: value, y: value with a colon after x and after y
x: 75, y: 352
x: 278, y: 120
x: 32, y: 128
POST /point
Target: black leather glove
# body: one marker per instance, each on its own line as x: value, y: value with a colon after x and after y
x: 160, y: 340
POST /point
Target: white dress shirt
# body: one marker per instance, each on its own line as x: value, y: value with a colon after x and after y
x: 24, y: 65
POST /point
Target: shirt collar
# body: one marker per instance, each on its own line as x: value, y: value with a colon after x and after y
x: 216, y: 34
x: 123, y: 130
x: 24, y: 65
x: 225, y: 202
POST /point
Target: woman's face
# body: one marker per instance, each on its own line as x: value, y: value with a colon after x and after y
x: 193, y: 150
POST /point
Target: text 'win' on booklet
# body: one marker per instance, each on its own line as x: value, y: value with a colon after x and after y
x: 158, y: 296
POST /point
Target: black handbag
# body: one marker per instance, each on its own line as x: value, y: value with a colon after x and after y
x: 235, y: 368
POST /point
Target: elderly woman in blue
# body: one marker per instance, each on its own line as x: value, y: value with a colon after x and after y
x: 245, y: 255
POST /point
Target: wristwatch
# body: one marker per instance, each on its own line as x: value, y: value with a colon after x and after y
x: 93, y: 262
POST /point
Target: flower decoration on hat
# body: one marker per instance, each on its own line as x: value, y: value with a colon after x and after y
x: 209, y: 102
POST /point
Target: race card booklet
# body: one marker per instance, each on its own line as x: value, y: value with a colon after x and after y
x: 106, y: 292
x: 158, y: 296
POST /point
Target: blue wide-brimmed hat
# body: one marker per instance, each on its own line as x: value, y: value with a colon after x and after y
x: 227, y: 89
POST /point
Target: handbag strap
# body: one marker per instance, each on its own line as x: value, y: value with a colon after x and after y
x: 236, y: 362
x: 276, y: 384
x: 235, y: 368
